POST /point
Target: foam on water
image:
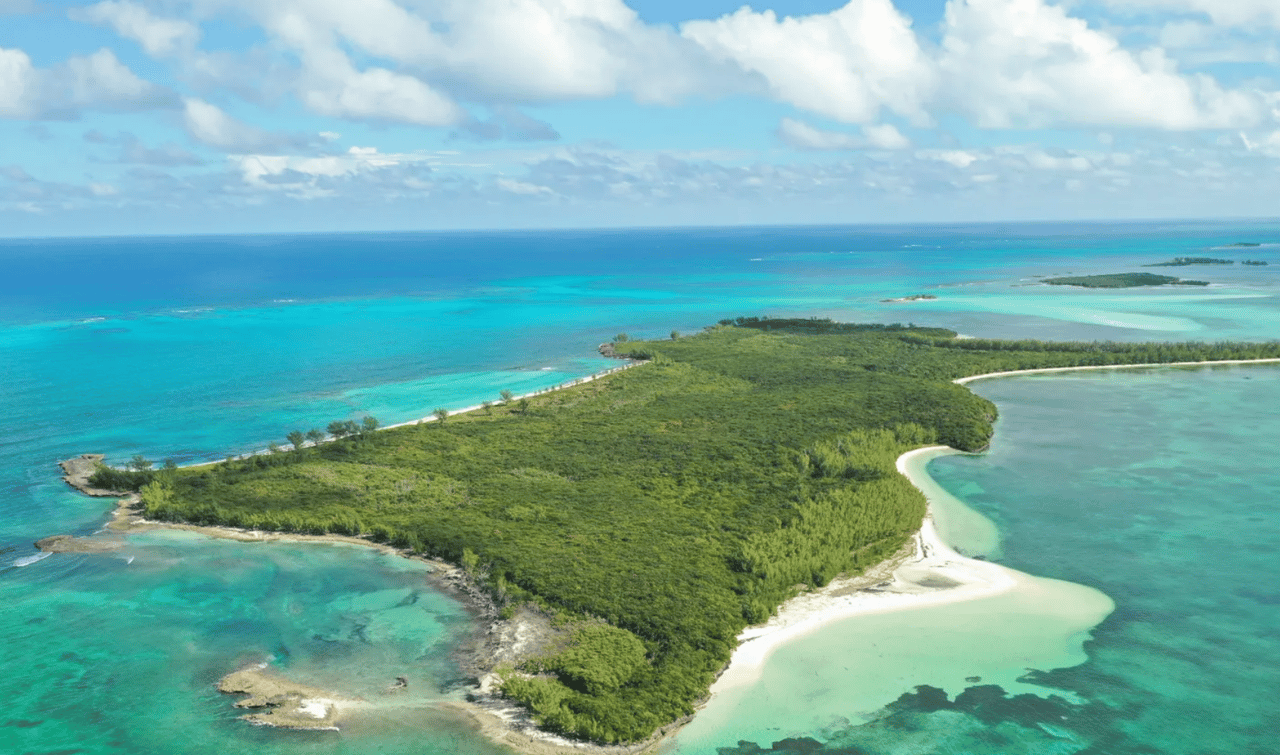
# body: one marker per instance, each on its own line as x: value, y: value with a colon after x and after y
x: 29, y: 560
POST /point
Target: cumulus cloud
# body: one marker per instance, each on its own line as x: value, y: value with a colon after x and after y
x: 848, y: 64
x: 1023, y: 63
x: 157, y: 36
x: 801, y: 135
x: 212, y: 126
x: 97, y: 81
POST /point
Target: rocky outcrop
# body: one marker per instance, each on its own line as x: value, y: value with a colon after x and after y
x: 69, y: 544
x: 284, y: 703
x: 80, y: 469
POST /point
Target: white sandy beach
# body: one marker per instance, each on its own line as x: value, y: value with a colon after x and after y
x: 934, y: 575
x: 1047, y: 370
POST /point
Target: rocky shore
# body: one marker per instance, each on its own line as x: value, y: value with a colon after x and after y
x: 284, y: 703
x: 77, y: 472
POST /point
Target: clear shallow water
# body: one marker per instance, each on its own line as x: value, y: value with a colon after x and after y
x: 1164, y: 496
x: 193, y: 349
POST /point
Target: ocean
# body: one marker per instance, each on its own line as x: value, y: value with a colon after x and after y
x: 1154, y: 488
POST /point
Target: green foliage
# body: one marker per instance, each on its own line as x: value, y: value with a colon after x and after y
x: 1121, y: 280
x: 597, y: 659
x: 139, y: 463
x: 675, y: 503
x: 505, y: 395
x: 343, y: 428
x: 1184, y: 261
x: 369, y: 425
x: 297, y: 438
x: 314, y: 435
x: 441, y: 414
x: 110, y: 478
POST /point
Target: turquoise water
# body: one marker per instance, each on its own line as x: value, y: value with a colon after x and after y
x: 1163, y: 494
x: 194, y: 349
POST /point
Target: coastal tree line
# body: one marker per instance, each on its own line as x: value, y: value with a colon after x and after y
x: 659, y: 511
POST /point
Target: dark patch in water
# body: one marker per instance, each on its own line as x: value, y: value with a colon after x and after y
x: 981, y: 719
x: 21, y: 723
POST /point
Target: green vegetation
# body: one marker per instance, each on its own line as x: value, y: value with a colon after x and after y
x: 1122, y: 280
x: 1254, y: 262
x: 658, y: 510
x: 1184, y: 261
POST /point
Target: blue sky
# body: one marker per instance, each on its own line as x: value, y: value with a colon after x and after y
x: 176, y: 116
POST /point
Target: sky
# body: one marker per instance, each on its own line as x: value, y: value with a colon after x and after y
x: 228, y: 116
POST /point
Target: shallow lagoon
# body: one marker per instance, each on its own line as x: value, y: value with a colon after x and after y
x: 1161, y: 496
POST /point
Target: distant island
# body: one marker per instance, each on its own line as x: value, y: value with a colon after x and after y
x: 638, y: 522
x: 1245, y: 243
x: 1253, y: 262
x: 1122, y: 280
x: 1184, y: 261
x: 914, y: 297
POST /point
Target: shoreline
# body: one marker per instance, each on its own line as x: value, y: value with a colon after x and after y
x: 630, y: 363
x: 925, y: 572
x: 1049, y: 370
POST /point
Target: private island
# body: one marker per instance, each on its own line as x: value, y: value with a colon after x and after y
x: 629, y: 528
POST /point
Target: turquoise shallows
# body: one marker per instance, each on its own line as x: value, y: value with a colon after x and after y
x: 197, y: 348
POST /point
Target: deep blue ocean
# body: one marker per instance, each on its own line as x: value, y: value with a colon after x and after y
x: 1156, y: 487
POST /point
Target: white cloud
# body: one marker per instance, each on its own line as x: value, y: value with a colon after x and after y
x: 885, y: 136
x: 801, y: 135
x: 332, y: 86
x: 211, y: 125
x: 1023, y: 63
x: 522, y: 188
x: 1268, y: 144
x: 848, y: 64
x: 158, y: 36
x: 955, y: 157
x: 96, y: 81
x: 1225, y: 12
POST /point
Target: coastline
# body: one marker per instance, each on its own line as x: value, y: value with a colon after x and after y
x: 630, y: 363
x: 1047, y: 370
x: 926, y: 572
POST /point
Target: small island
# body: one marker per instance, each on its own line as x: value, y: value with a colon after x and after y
x: 1122, y: 280
x: 1184, y: 261
x: 642, y: 519
x: 914, y: 297
x: 1253, y: 262
x: 1245, y: 243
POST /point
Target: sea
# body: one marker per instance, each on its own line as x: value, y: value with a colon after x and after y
x: 1152, y: 493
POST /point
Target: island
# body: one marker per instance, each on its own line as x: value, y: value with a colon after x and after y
x: 1122, y: 280
x: 1184, y: 261
x: 913, y: 297
x: 614, y: 538
x: 1253, y: 262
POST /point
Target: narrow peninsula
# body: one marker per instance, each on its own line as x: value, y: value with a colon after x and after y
x: 645, y: 519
